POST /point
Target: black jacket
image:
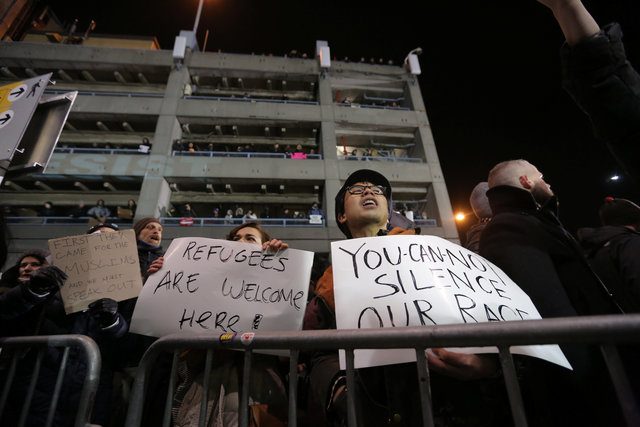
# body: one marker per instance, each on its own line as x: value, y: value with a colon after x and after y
x: 598, y: 76
x: 614, y: 253
x: 528, y: 242
x: 23, y: 313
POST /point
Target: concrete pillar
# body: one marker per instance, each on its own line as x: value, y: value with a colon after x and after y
x: 412, y: 93
x: 155, y: 194
x: 155, y: 197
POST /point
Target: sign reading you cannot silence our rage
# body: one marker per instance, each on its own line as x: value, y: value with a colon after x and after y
x: 396, y: 281
x: 209, y: 284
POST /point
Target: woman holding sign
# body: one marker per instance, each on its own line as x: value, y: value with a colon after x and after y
x: 268, y: 392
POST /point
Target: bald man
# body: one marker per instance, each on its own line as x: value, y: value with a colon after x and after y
x: 526, y: 240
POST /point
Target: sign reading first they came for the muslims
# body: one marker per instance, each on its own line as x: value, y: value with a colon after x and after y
x: 103, y: 265
x: 400, y: 281
x: 224, y: 286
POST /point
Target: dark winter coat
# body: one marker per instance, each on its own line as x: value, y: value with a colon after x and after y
x: 614, y: 253
x: 24, y: 314
x: 530, y: 244
x: 607, y: 88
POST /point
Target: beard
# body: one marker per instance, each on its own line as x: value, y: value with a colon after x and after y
x: 541, y: 192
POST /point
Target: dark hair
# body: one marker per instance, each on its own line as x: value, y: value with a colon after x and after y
x: 263, y: 234
x: 362, y: 175
x: 39, y: 254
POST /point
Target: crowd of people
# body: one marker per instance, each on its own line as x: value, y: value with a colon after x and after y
x: 289, y: 151
x: 519, y: 231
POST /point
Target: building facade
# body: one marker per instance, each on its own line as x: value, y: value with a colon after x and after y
x: 219, y: 132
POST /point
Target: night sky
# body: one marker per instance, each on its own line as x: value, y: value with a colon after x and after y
x: 490, y: 73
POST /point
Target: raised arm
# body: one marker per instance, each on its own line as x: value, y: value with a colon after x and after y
x: 575, y: 21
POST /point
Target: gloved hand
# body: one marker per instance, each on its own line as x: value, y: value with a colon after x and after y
x: 105, y: 311
x: 46, y: 279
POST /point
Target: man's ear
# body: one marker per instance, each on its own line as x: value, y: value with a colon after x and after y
x: 342, y: 218
x: 525, y: 182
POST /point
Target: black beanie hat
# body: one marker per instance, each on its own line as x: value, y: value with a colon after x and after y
x: 141, y: 224
x: 362, y: 175
x: 619, y: 212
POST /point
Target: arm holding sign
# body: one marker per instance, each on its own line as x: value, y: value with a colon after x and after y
x: 155, y: 266
x: 274, y: 245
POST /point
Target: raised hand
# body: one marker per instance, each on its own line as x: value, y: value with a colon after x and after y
x: 274, y: 245
x: 155, y: 265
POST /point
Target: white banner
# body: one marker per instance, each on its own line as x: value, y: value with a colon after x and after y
x: 397, y: 281
x: 209, y: 284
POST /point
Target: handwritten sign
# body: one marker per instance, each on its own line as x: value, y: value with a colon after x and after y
x: 99, y: 266
x: 209, y: 284
x: 400, y: 281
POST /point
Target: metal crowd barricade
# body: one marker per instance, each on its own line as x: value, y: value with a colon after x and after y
x: 602, y: 330
x: 90, y: 351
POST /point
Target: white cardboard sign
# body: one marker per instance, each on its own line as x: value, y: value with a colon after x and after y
x: 210, y: 284
x: 400, y: 281
x: 103, y: 265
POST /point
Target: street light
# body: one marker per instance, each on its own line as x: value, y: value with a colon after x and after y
x: 459, y: 217
x: 411, y: 63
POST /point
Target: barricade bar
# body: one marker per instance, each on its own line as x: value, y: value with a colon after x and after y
x: 513, y: 387
x: 585, y: 329
x: 602, y: 330
x: 89, y: 350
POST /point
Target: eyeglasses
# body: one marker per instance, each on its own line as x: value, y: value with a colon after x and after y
x: 357, y: 190
x: 30, y: 264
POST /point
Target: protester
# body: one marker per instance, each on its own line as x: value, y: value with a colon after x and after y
x: 601, y: 81
x: 188, y: 211
x: 613, y: 250
x: 481, y: 209
x: 527, y: 241
x: 249, y: 216
x: 79, y: 211
x: 268, y: 392
x: 100, y: 212
x: 47, y: 209
x: 149, y: 238
x: 362, y: 209
x: 315, y: 210
x: 31, y: 304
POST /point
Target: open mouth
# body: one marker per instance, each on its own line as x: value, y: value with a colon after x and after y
x: 369, y: 203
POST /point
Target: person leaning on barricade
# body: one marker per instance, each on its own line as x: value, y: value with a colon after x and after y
x: 268, y: 391
x: 389, y: 394
x: 30, y: 304
x: 526, y: 239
